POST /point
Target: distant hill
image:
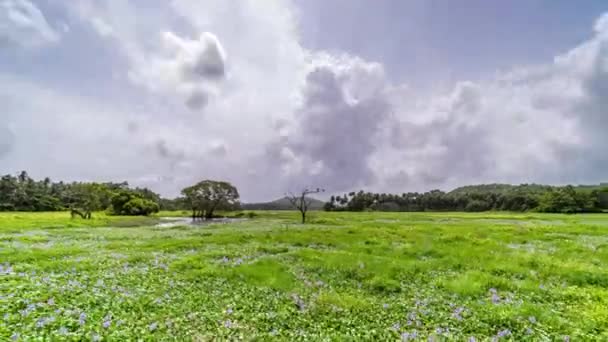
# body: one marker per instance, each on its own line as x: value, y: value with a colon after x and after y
x: 509, y: 188
x: 281, y: 204
x: 499, y: 188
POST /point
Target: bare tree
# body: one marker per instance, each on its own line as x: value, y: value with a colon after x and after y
x: 301, y: 202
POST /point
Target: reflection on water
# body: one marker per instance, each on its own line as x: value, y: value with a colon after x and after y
x: 169, y: 222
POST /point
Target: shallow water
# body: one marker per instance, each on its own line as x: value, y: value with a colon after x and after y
x: 168, y: 222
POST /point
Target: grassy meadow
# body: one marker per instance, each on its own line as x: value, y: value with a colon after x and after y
x: 344, y: 276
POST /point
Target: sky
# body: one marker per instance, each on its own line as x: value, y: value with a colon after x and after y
x: 275, y: 96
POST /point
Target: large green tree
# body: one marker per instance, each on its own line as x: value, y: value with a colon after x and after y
x: 207, y: 196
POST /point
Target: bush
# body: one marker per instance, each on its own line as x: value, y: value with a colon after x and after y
x: 132, y: 204
x: 140, y: 207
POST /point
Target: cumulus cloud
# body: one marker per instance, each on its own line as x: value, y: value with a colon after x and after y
x: 543, y: 123
x: 279, y: 116
x: 334, y: 131
x: 191, y: 68
x: 23, y: 24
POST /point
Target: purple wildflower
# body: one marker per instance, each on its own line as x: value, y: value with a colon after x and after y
x: 493, y: 290
x: 228, y: 324
x: 472, y: 339
x: 385, y: 306
x: 405, y: 336
x: 274, y: 332
x: 96, y: 338
x: 51, y: 301
x: 153, y: 326
x: 82, y: 319
x: 238, y: 261
x: 457, y: 313
x: 15, y: 337
x: 40, y: 322
x: 529, y: 331
x: 107, y: 323
x: 532, y: 319
x: 438, y: 331
x: 229, y: 311
x: 503, y: 333
x: 63, y: 331
x: 495, y: 298
x: 396, y: 326
x: 299, y: 302
x: 566, y: 338
x: 6, y: 269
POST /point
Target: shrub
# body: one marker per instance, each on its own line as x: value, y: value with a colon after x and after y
x: 130, y: 203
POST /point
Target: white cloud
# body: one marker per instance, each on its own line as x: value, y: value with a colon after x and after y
x: 190, y: 68
x: 101, y: 27
x: 23, y: 24
x: 278, y: 116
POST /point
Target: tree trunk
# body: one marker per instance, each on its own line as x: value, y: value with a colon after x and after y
x: 303, y: 217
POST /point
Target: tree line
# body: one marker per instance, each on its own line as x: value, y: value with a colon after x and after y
x: 476, y: 198
x: 22, y: 193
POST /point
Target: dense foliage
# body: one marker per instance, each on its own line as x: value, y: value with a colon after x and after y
x: 207, y: 196
x: 22, y: 193
x: 525, y: 197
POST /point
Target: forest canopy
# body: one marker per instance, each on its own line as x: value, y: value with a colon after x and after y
x: 22, y: 193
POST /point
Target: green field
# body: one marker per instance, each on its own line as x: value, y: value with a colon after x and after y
x: 344, y: 276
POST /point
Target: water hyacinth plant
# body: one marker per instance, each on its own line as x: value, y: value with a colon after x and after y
x: 423, y: 279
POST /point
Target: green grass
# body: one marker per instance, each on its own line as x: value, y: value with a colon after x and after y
x: 344, y: 276
x: 62, y: 219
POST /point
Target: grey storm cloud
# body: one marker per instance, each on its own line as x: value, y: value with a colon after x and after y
x: 197, y: 100
x: 190, y: 68
x: 163, y: 150
x: 335, y: 129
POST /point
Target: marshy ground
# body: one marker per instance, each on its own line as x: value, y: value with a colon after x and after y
x: 373, y: 276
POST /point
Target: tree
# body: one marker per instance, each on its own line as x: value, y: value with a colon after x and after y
x: 85, y: 198
x: 207, y: 196
x: 128, y: 202
x: 301, y: 202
